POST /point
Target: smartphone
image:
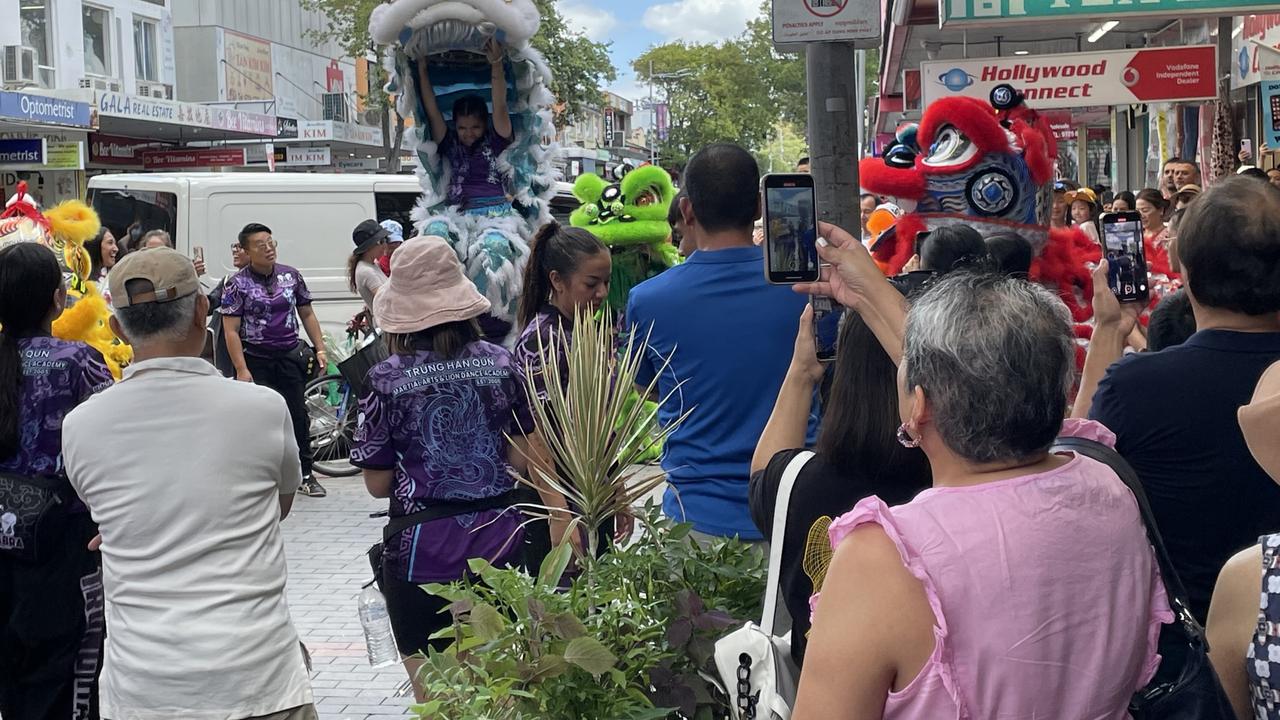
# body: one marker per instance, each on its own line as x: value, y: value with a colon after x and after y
x: 197, y: 253
x: 827, y: 314
x: 790, y: 229
x: 1246, y: 145
x: 1126, y: 262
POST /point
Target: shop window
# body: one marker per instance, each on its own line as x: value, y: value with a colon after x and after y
x: 37, y: 33
x: 97, y: 41
x: 146, y: 50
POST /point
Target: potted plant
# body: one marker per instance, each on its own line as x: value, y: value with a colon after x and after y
x: 631, y: 634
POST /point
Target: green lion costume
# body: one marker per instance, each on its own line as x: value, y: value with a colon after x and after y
x: 630, y: 217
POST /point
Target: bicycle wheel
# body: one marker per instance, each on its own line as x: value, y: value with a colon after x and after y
x: 332, y: 409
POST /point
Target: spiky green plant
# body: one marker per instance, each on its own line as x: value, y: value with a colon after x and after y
x: 595, y: 432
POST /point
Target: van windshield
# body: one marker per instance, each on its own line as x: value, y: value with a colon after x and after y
x: 131, y: 213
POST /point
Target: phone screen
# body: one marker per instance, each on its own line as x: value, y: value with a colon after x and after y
x: 790, y: 229
x: 827, y: 314
x: 1126, y: 263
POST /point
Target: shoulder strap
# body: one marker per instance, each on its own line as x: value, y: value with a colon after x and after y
x: 1172, y: 583
x: 772, y: 587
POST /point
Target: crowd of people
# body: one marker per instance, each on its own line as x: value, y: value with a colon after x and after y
x: 932, y: 496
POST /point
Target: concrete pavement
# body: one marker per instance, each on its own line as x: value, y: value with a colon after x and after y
x: 325, y: 542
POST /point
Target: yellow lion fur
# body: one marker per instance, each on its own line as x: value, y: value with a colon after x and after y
x: 85, y: 320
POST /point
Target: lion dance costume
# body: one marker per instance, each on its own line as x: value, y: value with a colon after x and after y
x: 449, y: 35
x: 65, y: 229
x: 630, y: 217
x: 989, y: 166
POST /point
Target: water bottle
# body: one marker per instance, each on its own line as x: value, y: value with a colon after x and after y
x: 378, y: 639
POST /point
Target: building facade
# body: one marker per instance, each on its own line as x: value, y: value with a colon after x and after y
x: 106, y: 90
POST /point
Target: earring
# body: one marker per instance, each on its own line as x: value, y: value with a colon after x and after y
x: 905, y: 438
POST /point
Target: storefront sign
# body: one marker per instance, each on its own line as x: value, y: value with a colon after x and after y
x: 192, y: 158
x: 286, y: 128
x: 42, y: 110
x: 803, y: 21
x: 248, y: 67
x: 1256, y: 51
x: 182, y: 113
x: 1270, y: 91
x: 27, y: 151
x: 64, y: 155
x: 356, y: 164
x: 1120, y: 77
x: 288, y: 156
x: 111, y: 150
x: 984, y: 12
x: 329, y: 130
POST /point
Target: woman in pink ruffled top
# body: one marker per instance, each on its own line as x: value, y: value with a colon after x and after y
x: 1021, y: 585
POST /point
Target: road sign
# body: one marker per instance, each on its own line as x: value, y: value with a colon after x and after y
x: 990, y: 12
x: 804, y: 21
x: 1120, y: 77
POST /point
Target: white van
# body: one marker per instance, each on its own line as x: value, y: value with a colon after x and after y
x: 311, y: 217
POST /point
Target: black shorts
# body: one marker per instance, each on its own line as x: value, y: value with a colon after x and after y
x: 415, y: 615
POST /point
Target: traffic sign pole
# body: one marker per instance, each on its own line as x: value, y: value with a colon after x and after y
x: 834, y: 116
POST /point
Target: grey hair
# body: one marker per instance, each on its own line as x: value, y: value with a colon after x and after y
x: 995, y: 357
x: 162, y: 234
x: 156, y: 321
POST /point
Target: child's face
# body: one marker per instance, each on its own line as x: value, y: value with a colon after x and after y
x: 470, y: 128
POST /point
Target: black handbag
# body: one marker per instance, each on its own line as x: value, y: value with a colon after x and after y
x: 1185, y: 686
x: 355, y: 369
x: 33, y: 513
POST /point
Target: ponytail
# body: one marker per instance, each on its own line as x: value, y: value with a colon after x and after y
x: 352, y: 263
x: 29, y: 276
x: 555, y: 249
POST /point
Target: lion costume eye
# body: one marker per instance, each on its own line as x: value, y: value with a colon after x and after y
x: 951, y: 148
x: 646, y: 198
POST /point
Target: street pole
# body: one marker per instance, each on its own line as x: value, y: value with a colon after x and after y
x: 653, y: 121
x: 833, y: 132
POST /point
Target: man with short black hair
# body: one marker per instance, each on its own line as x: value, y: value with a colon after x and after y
x: 1174, y: 411
x: 1185, y: 173
x: 867, y: 204
x: 261, y: 308
x: 729, y: 336
x: 1168, y: 186
x: 188, y: 498
x: 802, y: 165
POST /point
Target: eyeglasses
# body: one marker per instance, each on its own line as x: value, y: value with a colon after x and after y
x: 264, y: 245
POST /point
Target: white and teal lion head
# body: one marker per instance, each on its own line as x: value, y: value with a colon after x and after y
x: 420, y: 27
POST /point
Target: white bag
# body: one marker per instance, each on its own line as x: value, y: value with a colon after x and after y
x: 754, y: 665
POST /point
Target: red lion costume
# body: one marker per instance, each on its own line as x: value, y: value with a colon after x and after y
x: 989, y: 166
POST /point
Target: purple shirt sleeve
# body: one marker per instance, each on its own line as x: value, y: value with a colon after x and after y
x: 302, y: 295
x: 232, y: 299
x: 372, y: 442
x: 94, y: 375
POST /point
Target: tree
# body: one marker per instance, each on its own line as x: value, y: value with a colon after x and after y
x: 738, y: 90
x: 347, y: 24
x: 579, y: 65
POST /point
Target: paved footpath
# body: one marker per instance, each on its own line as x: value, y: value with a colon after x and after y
x: 325, y: 541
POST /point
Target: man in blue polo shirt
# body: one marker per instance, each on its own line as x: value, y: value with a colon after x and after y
x: 1174, y: 411
x: 729, y: 336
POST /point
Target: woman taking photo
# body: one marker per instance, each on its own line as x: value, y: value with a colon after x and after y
x: 568, y: 273
x: 855, y: 456
x: 433, y: 438
x: 1053, y: 602
x: 103, y: 253
x: 41, y: 379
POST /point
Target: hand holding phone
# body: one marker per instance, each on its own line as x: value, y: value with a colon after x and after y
x: 827, y: 314
x: 1126, y: 260
x: 790, y: 229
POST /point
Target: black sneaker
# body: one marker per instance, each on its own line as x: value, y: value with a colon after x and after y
x: 311, y: 488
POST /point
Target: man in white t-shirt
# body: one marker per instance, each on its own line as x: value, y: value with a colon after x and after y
x: 188, y: 488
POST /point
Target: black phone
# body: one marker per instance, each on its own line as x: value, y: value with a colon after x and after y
x: 790, y: 229
x: 1126, y: 261
x: 827, y: 314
